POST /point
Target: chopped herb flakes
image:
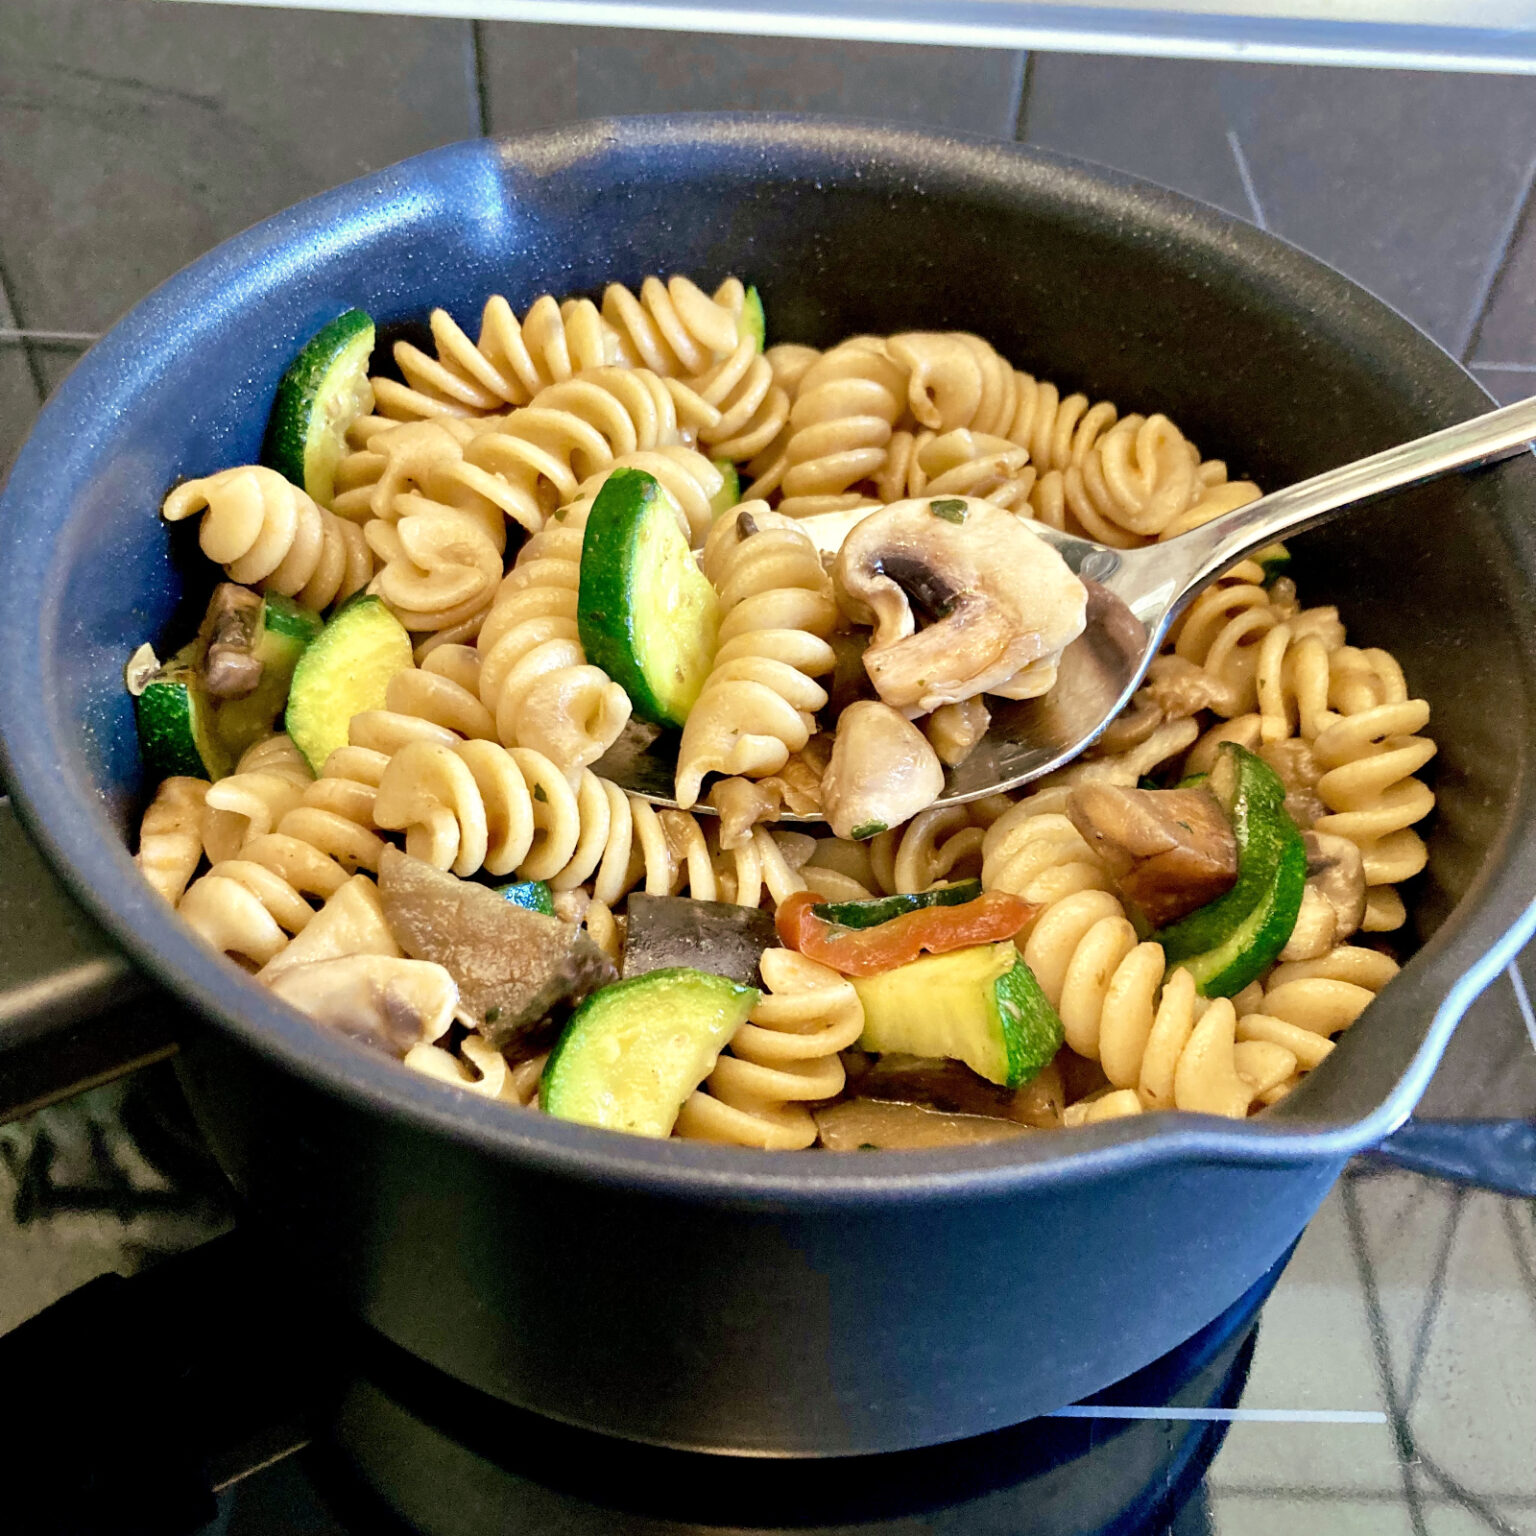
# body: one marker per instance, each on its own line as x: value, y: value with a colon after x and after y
x: 950, y: 508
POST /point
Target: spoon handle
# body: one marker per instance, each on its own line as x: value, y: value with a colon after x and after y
x: 1483, y: 440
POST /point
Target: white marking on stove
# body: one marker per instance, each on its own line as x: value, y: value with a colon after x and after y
x: 1523, y: 1001
x: 1224, y: 1415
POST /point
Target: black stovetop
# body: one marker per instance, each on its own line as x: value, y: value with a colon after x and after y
x: 1383, y: 1382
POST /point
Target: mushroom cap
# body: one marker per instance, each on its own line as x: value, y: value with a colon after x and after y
x: 997, y: 599
x: 882, y: 773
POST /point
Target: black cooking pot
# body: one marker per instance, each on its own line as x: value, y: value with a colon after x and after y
x: 710, y: 1297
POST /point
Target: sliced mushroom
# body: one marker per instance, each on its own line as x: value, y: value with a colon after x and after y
x: 953, y: 730
x: 512, y: 966
x: 232, y: 626
x: 1296, y: 763
x: 1132, y: 726
x: 882, y: 773
x: 1169, y: 850
x: 1333, y: 900
x: 858, y: 1125
x: 996, y: 599
x: 386, y: 1002
x: 350, y: 923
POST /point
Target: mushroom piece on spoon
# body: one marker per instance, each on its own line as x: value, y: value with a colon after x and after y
x: 999, y: 604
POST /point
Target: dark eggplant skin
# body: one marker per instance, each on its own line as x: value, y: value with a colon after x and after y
x: 790, y: 1303
x: 714, y: 936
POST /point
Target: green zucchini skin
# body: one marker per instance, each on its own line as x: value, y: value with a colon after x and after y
x: 342, y: 672
x: 323, y: 392
x: 632, y: 1053
x: 1227, y: 943
x: 981, y: 1006
x: 646, y: 614
x: 752, y: 323
x: 177, y: 721
x: 881, y: 909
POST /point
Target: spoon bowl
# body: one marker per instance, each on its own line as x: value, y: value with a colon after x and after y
x: 1134, y: 595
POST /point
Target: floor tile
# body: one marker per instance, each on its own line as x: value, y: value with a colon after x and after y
x: 1320, y: 1293
x: 1488, y: 1071
x: 1480, y: 1520
x: 1408, y: 182
x: 139, y: 134
x: 537, y: 76
x: 1458, y: 1313
x: 1248, y: 1515
x: 1161, y: 119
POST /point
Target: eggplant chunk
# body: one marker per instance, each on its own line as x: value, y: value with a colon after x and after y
x: 512, y: 966
x: 874, y: 1124
x: 1169, y: 850
x: 668, y: 931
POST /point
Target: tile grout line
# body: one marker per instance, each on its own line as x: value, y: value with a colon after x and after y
x: 1245, y: 175
x: 1402, y: 1437
x: 1472, y: 1502
x: 1026, y: 84
x: 1497, y: 264
x: 34, y: 367
x: 1516, y: 1242
x: 1523, y: 1001
x: 1433, y: 1299
x: 482, y: 93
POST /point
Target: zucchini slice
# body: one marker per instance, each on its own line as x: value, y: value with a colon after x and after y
x: 634, y: 1051
x: 981, y: 1006
x: 177, y: 721
x: 751, y: 323
x: 286, y: 631
x: 646, y: 613
x: 344, y: 671
x: 324, y: 391
x: 729, y: 493
x: 881, y: 909
x: 1226, y: 943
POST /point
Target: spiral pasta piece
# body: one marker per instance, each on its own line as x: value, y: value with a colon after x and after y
x: 509, y: 364
x: 958, y: 463
x: 758, y: 703
x: 1216, y: 654
x: 267, y: 533
x: 475, y: 805
x: 438, y: 567
x: 956, y: 380
x: 674, y: 329
x: 943, y: 843
x: 171, y: 836
x: 268, y: 782
x: 783, y: 1058
x: 848, y: 404
x: 1040, y: 857
x: 580, y: 427
x: 1369, y: 761
x: 753, y: 407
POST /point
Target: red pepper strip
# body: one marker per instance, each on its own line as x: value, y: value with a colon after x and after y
x: 868, y: 951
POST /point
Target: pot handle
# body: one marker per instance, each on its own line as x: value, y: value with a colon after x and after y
x: 73, y: 1010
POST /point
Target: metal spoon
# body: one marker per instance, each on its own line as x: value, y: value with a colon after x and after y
x: 1133, y: 596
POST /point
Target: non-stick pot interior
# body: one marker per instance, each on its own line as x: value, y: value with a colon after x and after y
x: 1263, y: 357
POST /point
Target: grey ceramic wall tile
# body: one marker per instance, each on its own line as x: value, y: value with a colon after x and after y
x: 18, y: 390
x: 537, y: 76
x: 1508, y: 383
x: 1406, y: 181
x: 1489, y: 1068
x: 138, y: 134
x: 1507, y: 330
x: 1161, y: 119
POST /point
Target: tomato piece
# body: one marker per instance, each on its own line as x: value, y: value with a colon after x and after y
x: 992, y: 916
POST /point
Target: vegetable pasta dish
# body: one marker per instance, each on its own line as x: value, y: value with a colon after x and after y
x: 452, y: 590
